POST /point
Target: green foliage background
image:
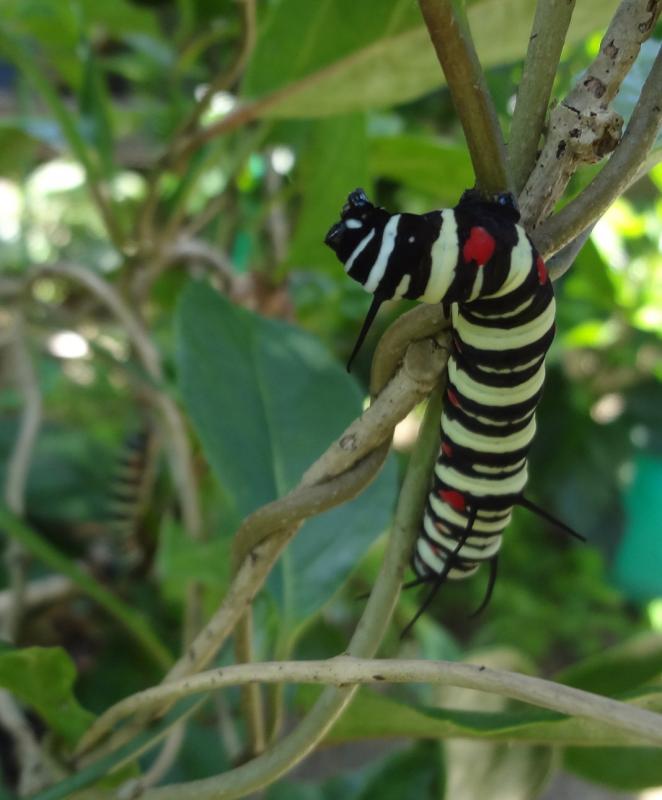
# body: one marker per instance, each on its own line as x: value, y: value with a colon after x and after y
x: 349, y: 94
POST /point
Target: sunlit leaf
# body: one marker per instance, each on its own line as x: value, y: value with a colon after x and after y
x: 623, y: 768
x: 334, y: 163
x: 374, y: 716
x: 414, y: 774
x: 618, y: 669
x: 43, y: 678
x: 377, y: 52
x: 428, y: 165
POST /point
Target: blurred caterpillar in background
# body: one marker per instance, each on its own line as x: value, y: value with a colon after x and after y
x: 480, y: 264
x: 131, y: 488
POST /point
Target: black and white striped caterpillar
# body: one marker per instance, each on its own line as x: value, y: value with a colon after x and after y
x: 478, y: 262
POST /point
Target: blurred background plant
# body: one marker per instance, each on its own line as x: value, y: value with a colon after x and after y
x: 169, y: 169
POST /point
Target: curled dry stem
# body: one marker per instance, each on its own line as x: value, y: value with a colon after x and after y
x: 342, y: 473
x: 582, y: 128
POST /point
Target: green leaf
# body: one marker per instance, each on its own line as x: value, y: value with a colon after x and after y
x: 624, y: 768
x: 343, y: 55
x: 334, y: 163
x: 519, y: 772
x: 181, y: 560
x: 130, y: 618
x: 619, y: 669
x: 375, y: 716
x: 98, y: 771
x: 266, y: 399
x: 428, y: 165
x: 319, y: 560
x: 414, y: 774
x: 43, y: 678
x: 96, y: 110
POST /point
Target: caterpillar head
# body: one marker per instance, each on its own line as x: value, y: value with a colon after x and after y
x: 357, y: 218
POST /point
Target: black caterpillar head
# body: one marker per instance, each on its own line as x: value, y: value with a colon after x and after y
x: 359, y: 222
x: 357, y: 218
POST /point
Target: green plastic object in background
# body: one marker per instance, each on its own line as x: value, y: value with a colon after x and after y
x: 638, y: 563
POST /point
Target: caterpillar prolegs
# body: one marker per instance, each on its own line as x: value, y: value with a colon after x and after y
x: 479, y: 262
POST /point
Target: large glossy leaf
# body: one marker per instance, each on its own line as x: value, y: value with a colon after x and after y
x: 266, y: 399
x: 624, y: 768
x: 56, y: 26
x: 374, y: 716
x: 619, y: 669
x: 376, y: 53
x: 442, y: 170
x: 416, y: 773
x: 43, y: 679
x: 334, y: 163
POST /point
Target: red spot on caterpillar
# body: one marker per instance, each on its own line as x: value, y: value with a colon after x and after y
x: 542, y: 270
x: 446, y: 449
x: 452, y: 397
x: 453, y: 498
x: 456, y: 342
x: 479, y: 247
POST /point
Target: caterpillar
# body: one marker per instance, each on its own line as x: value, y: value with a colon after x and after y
x: 480, y: 264
x: 130, y: 492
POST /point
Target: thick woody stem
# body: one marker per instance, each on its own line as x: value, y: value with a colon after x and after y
x: 617, y: 174
x: 582, y: 128
x: 452, y: 42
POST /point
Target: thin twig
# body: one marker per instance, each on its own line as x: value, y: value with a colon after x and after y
x: 550, y: 26
x: 18, y: 466
x: 34, y: 770
x: 452, y: 42
x: 40, y: 592
x: 617, y: 174
x: 251, y: 694
x: 225, y: 80
x: 343, y: 670
x: 135, y: 787
x: 191, y: 252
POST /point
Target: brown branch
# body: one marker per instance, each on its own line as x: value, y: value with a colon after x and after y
x: 617, y: 174
x: 582, y: 128
x: 452, y: 42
